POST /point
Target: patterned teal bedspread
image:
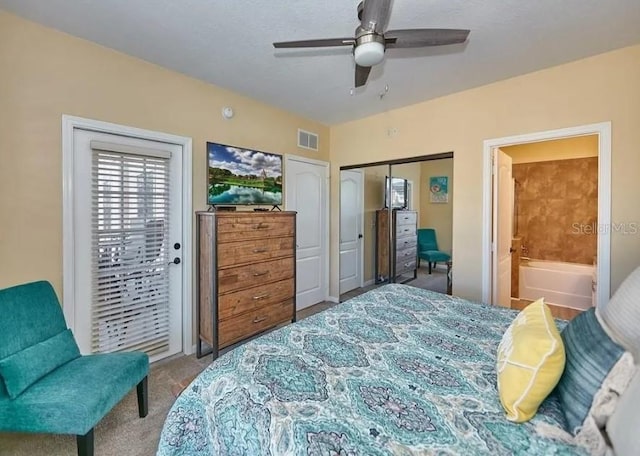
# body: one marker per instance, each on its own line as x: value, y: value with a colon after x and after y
x: 396, y: 371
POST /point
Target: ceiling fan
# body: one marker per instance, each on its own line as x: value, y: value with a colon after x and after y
x: 371, y: 40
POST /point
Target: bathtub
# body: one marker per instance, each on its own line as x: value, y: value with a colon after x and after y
x: 561, y: 284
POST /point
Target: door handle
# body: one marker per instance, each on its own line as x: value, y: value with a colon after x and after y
x: 359, y: 236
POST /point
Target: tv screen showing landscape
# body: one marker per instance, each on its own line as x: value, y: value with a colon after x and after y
x: 398, y: 192
x: 243, y: 176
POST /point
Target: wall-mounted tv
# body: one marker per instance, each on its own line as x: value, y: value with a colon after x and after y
x: 398, y: 192
x: 242, y: 176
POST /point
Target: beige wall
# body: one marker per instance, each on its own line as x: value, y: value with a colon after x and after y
x: 597, y: 89
x: 436, y: 215
x: 46, y: 74
x: 558, y: 149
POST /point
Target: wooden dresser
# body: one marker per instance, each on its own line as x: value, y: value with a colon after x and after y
x: 403, y: 248
x: 246, y: 275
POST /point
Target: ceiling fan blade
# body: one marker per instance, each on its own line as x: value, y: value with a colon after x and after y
x: 412, y: 38
x: 328, y: 42
x: 362, y: 73
x: 375, y: 15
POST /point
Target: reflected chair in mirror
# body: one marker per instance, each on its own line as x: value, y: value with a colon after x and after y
x: 46, y: 385
x: 428, y: 248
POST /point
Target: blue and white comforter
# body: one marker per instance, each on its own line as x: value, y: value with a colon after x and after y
x: 396, y: 371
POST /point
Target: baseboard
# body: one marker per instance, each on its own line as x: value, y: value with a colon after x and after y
x: 333, y: 299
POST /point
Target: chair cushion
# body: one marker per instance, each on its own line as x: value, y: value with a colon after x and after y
x: 22, y: 369
x: 590, y: 356
x: 75, y: 396
x: 530, y: 361
x: 620, y: 317
x: 30, y: 313
x: 435, y: 255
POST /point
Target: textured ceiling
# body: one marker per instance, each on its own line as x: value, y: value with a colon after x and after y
x: 228, y: 43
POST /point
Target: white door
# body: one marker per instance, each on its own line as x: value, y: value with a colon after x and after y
x: 351, y: 213
x: 306, y: 193
x: 128, y: 244
x: 502, y: 228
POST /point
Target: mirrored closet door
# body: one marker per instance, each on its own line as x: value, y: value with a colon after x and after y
x: 384, y: 208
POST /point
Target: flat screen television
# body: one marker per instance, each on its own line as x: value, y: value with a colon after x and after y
x: 237, y: 176
x: 398, y: 192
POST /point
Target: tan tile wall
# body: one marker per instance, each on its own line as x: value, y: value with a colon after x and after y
x: 558, y: 209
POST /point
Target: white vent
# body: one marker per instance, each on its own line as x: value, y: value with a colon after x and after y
x: 307, y: 140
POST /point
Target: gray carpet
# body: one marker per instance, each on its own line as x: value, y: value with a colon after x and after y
x: 121, y: 432
x: 436, y: 281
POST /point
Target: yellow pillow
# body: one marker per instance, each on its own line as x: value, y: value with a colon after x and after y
x: 530, y: 361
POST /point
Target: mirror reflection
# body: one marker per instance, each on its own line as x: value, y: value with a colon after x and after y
x: 396, y: 226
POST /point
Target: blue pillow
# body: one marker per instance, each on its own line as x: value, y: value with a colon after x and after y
x: 22, y: 369
x: 590, y: 356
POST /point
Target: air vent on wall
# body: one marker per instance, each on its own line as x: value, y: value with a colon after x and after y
x: 307, y: 140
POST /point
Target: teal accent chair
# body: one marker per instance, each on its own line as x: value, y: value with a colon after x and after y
x: 46, y: 386
x: 428, y: 248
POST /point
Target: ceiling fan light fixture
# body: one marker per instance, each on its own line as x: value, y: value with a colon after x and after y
x: 369, y: 54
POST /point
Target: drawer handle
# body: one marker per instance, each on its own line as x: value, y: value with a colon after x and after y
x: 262, y: 226
x: 258, y: 274
x: 257, y: 298
x: 258, y: 320
x: 259, y: 250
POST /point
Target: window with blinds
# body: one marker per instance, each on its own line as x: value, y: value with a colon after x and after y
x: 130, y: 249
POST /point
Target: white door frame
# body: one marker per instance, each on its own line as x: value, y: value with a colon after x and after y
x: 603, y: 130
x: 71, y: 123
x: 287, y: 159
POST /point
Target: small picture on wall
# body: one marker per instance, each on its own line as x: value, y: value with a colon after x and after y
x: 439, y: 189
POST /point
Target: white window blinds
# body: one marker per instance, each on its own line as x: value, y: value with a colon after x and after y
x: 130, y: 249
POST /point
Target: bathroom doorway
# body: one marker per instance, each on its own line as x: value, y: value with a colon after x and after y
x: 548, y: 214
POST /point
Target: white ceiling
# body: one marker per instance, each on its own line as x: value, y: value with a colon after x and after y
x: 228, y: 43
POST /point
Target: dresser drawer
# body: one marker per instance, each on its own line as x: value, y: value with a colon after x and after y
x: 253, y: 298
x: 405, y: 266
x: 243, y: 228
x: 406, y: 230
x: 239, y: 277
x: 406, y: 218
x: 242, y: 326
x: 408, y: 242
x: 242, y: 252
x: 402, y: 256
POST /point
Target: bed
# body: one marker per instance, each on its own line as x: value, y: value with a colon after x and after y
x: 395, y: 371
